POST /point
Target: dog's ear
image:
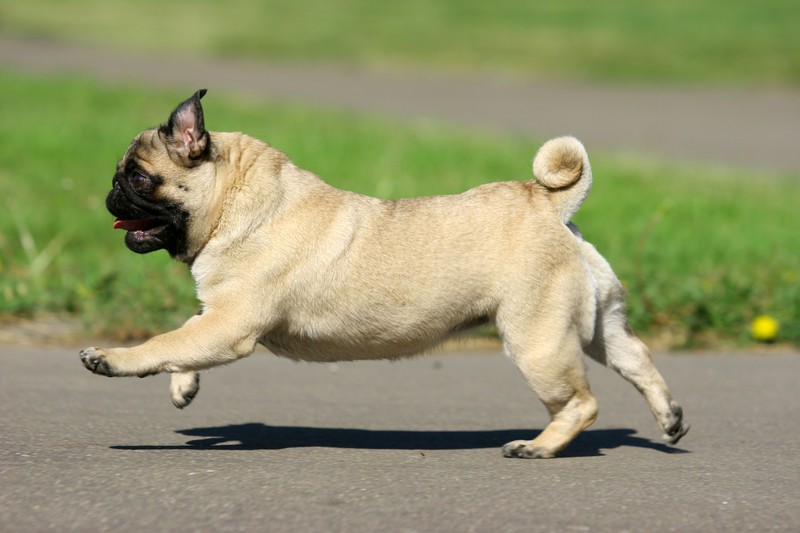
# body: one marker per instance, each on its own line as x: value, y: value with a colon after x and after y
x: 185, y: 133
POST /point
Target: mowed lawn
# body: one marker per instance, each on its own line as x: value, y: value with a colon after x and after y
x: 701, y: 250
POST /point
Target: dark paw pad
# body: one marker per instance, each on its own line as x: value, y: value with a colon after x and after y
x: 678, y: 428
x: 94, y: 360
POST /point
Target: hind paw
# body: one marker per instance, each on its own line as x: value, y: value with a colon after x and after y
x: 523, y: 449
x: 678, y: 428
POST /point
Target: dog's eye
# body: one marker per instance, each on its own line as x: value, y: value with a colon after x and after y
x: 140, y: 183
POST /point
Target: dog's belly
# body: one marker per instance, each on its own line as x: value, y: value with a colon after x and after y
x: 377, y: 341
x: 322, y: 350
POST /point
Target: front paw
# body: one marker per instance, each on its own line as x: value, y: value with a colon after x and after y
x: 95, y: 360
x: 183, y: 387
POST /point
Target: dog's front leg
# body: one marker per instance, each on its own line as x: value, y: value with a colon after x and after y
x: 205, y: 341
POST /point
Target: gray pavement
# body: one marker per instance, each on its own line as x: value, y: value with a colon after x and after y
x: 746, y: 127
x: 271, y: 445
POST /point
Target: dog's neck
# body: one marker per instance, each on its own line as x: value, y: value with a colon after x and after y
x: 254, y: 182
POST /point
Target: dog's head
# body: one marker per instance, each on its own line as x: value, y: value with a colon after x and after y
x: 163, y: 189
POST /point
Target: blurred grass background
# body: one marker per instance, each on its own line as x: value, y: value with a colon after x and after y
x: 702, y: 250
x: 745, y: 42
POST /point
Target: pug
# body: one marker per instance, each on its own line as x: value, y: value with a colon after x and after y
x: 314, y: 273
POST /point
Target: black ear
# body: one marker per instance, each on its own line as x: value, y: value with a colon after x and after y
x: 185, y: 131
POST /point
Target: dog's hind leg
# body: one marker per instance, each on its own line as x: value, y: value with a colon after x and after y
x: 618, y: 348
x: 556, y: 372
x: 615, y: 346
x: 183, y: 387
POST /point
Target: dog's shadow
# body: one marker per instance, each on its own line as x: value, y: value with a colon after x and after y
x: 256, y: 436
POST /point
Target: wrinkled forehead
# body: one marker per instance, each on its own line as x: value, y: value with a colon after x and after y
x: 143, y: 150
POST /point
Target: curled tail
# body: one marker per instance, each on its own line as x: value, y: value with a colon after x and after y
x: 562, y: 165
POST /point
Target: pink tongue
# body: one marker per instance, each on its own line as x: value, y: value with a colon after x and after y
x: 133, y: 225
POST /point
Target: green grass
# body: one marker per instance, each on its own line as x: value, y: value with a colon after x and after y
x: 750, y: 42
x: 702, y: 251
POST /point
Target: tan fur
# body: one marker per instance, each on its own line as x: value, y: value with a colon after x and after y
x: 319, y: 274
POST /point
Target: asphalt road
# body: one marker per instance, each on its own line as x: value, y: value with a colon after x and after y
x: 743, y: 127
x: 271, y: 445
